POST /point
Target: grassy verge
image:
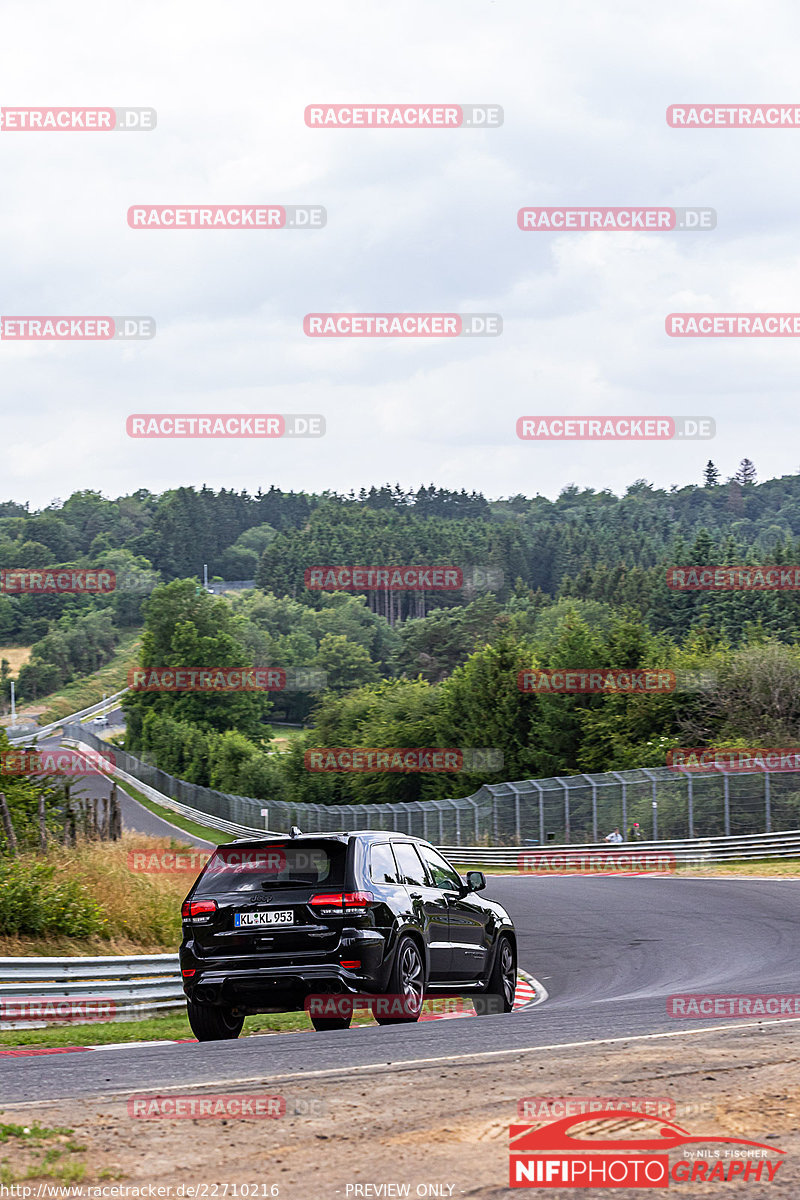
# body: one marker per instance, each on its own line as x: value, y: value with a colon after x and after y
x: 787, y: 868
x: 138, y: 911
x: 200, y: 831
x: 172, y: 1028
x: 90, y: 689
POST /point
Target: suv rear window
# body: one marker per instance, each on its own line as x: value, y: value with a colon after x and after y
x: 279, y: 864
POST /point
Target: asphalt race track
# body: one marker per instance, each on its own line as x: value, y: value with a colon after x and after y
x: 608, y: 950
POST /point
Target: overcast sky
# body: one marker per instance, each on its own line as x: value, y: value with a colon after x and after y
x: 418, y: 221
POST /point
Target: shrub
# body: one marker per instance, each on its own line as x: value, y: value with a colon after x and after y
x: 33, y: 903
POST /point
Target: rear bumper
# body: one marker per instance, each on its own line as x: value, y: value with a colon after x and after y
x: 254, y: 987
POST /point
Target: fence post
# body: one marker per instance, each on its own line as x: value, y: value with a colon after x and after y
x: 593, y: 786
x: 690, y: 799
x: 623, y: 785
x: 42, y: 825
x: 538, y: 787
x: 767, y: 805
x: 727, y: 799
x: 517, y: 824
x: 7, y: 826
x: 566, y: 809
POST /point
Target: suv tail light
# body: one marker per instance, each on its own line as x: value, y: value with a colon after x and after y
x: 198, y: 908
x: 340, y: 904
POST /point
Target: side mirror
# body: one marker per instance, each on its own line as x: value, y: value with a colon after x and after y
x: 476, y: 881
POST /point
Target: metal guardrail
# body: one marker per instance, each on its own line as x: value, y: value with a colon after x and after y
x: 124, y: 988
x: 184, y: 810
x: 685, y: 851
x: 46, y: 730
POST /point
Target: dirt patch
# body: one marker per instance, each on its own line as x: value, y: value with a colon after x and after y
x: 17, y: 657
x: 443, y: 1125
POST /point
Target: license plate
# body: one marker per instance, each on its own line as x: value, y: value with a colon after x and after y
x: 248, y: 920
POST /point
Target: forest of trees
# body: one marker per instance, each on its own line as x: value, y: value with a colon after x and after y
x: 583, y: 583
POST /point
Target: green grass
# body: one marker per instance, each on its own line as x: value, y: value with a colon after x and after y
x: 34, y: 1132
x: 170, y: 1027
x: 90, y: 689
x: 34, y: 1158
x: 201, y: 831
x: 745, y: 866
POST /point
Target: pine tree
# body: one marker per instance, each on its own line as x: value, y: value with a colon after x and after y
x: 746, y: 473
x: 710, y: 475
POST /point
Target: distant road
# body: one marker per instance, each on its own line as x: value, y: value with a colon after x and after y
x: 135, y: 817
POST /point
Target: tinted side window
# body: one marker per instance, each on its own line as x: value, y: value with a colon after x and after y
x: 444, y: 876
x: 382, y: 867
x: 411, y: 869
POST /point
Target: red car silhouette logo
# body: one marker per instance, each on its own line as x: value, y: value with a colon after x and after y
x: 556, y: 1138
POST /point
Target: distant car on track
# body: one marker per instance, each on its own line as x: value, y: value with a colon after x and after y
x: 270, y: 922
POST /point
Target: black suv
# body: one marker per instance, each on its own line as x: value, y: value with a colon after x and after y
x: 271, y: 922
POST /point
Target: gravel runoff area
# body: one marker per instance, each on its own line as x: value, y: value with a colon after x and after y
x: 440, y: 1127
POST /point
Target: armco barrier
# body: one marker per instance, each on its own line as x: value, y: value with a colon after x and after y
x: 46, y: 730
x: 136, y: 986
x: 686, y: 851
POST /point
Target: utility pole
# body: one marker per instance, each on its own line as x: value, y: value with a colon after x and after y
x: 205, y: 575
x: 13, y: 706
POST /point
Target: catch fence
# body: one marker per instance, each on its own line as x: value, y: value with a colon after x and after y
x: 570, y: 809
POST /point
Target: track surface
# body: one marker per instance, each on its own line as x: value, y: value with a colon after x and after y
x: 608, y: 950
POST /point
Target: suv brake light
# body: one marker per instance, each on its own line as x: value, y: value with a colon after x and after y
x: 198, y: 908
x: 332, y: 904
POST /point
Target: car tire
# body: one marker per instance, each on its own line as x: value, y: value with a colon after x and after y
x: 213, y: 1022
x: 502, y: 981
x: 321, y: 1024
x: 407, y: 979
